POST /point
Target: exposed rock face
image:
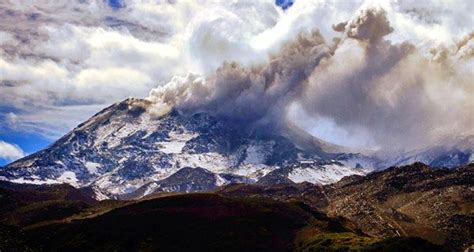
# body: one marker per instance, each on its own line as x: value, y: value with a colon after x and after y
x: 187, y: 180
x: 309, y: 194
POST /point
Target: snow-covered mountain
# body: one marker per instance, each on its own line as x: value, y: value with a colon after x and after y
x: 449, y: 154
x: 125, y: 151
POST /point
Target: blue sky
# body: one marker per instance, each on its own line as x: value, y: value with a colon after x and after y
x: 284, y: 4
x: 28, y: 142
x: 116, y: 4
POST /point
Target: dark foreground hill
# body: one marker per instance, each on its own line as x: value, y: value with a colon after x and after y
x: 384, y: 211
x: 203, y: 222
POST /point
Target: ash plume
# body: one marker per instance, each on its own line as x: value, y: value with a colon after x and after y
x: 248, y: 94
x: 403, y: 97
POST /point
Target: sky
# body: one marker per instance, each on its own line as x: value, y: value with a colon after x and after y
x: 62, y: 61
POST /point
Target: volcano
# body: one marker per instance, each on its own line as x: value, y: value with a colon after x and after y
x: 124, y: 150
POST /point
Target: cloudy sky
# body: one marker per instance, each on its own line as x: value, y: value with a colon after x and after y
x: 366, y: 74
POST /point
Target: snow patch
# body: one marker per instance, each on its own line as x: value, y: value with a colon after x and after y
x: 99, y: 195
x: 254, y: 171
x: 68, y: 177
x: 150, y: 189
x: 92, y: 167
x: 325, y: 174
x: 176, y: 142
x: 59, y: 162
x: 171, y: 147
x: 34, y: 181
x: 213, y: 162
x: 220, y: 181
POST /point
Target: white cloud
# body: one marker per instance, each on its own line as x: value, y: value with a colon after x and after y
x: 10, y: 151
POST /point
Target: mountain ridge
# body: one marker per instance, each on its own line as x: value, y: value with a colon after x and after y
x: 125, y: 147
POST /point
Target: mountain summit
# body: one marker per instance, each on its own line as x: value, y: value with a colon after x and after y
x: 124, y: 150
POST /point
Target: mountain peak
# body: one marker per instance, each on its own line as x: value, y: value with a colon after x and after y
x: 125, y: 148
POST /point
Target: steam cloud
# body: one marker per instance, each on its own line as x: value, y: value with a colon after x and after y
x: 404, y: 98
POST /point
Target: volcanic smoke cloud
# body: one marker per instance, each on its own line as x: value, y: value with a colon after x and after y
x: 403, y: 97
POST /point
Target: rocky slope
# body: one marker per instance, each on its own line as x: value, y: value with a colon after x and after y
x: 435, y: 204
